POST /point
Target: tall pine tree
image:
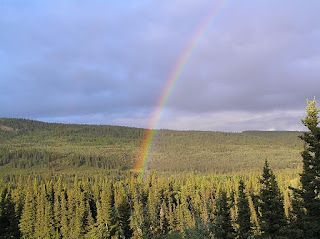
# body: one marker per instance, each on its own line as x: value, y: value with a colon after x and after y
x: 309, y: 193
x: 8, y: 220
x: 244, y: 213
x: 28, y: 217
x: 271, y: 208
x: 223, y: 222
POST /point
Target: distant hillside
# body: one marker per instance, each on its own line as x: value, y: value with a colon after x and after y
x: 24, y: 126
x: 61, y: 146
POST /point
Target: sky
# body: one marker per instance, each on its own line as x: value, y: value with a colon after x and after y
x: 109, y: 62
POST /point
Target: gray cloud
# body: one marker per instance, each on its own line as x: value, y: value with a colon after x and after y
x: 108, y: 62
x: 263, y: 60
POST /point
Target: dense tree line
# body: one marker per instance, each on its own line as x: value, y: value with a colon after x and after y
x: 30, y: 157
x: 127, y: 206
x: 16, y: 127
x: 173, y: 151
x: 124, y: 205
x: 26, y: 158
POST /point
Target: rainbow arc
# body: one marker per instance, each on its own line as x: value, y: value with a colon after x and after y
x: 172, y: 82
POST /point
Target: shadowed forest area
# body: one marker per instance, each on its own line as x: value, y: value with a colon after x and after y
x: 79, y: 181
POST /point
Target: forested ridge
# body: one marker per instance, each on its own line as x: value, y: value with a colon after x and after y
x: 79, y: 181
x: 173, y: 151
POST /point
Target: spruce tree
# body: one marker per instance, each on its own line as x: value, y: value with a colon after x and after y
x: 309, y: 193
x: 153, y: 208
x: 28, y: 217
x: 64, y: 230
x: 8, y: 220
x: 106, y: 221
x: 172, y: 217
x: 244, y: 213
x: 123, y: 209
x: 223, y: 222
x: 296, y: 215
x: 163, y: 218
x: 124, y: 218
x: 271, y: 208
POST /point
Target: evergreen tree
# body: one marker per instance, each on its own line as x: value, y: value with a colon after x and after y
x: 57, y: 204
x: 163, y: 218
x: 223, y: 222
x: 123, y: 202
x: 19, y: 197
x: 153, y: 208
x: 124, y: 218
x: 8, y: 219
x: 309, y: 193
x: 106, y: 223
x: 186, y: 207
x: 172, y: 218
x: 40, y: 222
x: 76, y: 215
x: 244, y: 214
x: 296, y: 214
x: 272, y: 216
x: 28, y: 217
x: 64, y: 216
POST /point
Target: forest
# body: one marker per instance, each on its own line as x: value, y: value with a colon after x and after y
x: 79, y: 181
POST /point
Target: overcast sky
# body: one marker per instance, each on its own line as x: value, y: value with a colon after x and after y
x: 108, y: 62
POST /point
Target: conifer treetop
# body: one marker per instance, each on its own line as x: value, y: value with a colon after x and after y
x: 311, y: 120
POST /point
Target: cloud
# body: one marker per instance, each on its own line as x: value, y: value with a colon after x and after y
x: 81, y: 61
x: 236, y: 121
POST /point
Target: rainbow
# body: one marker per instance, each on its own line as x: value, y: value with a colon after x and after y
x: 175, y: 76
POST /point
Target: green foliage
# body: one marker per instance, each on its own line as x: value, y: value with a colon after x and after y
x: 223, y: 228
x: 308, y: 196
x: 78, y: 181
x: 28, y: 217
x: 114, y: 206
x: 59, y: 147
x: 201, y: 230
x: 244, y: 213
x: 272, y: 216
x: 8, y: 218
